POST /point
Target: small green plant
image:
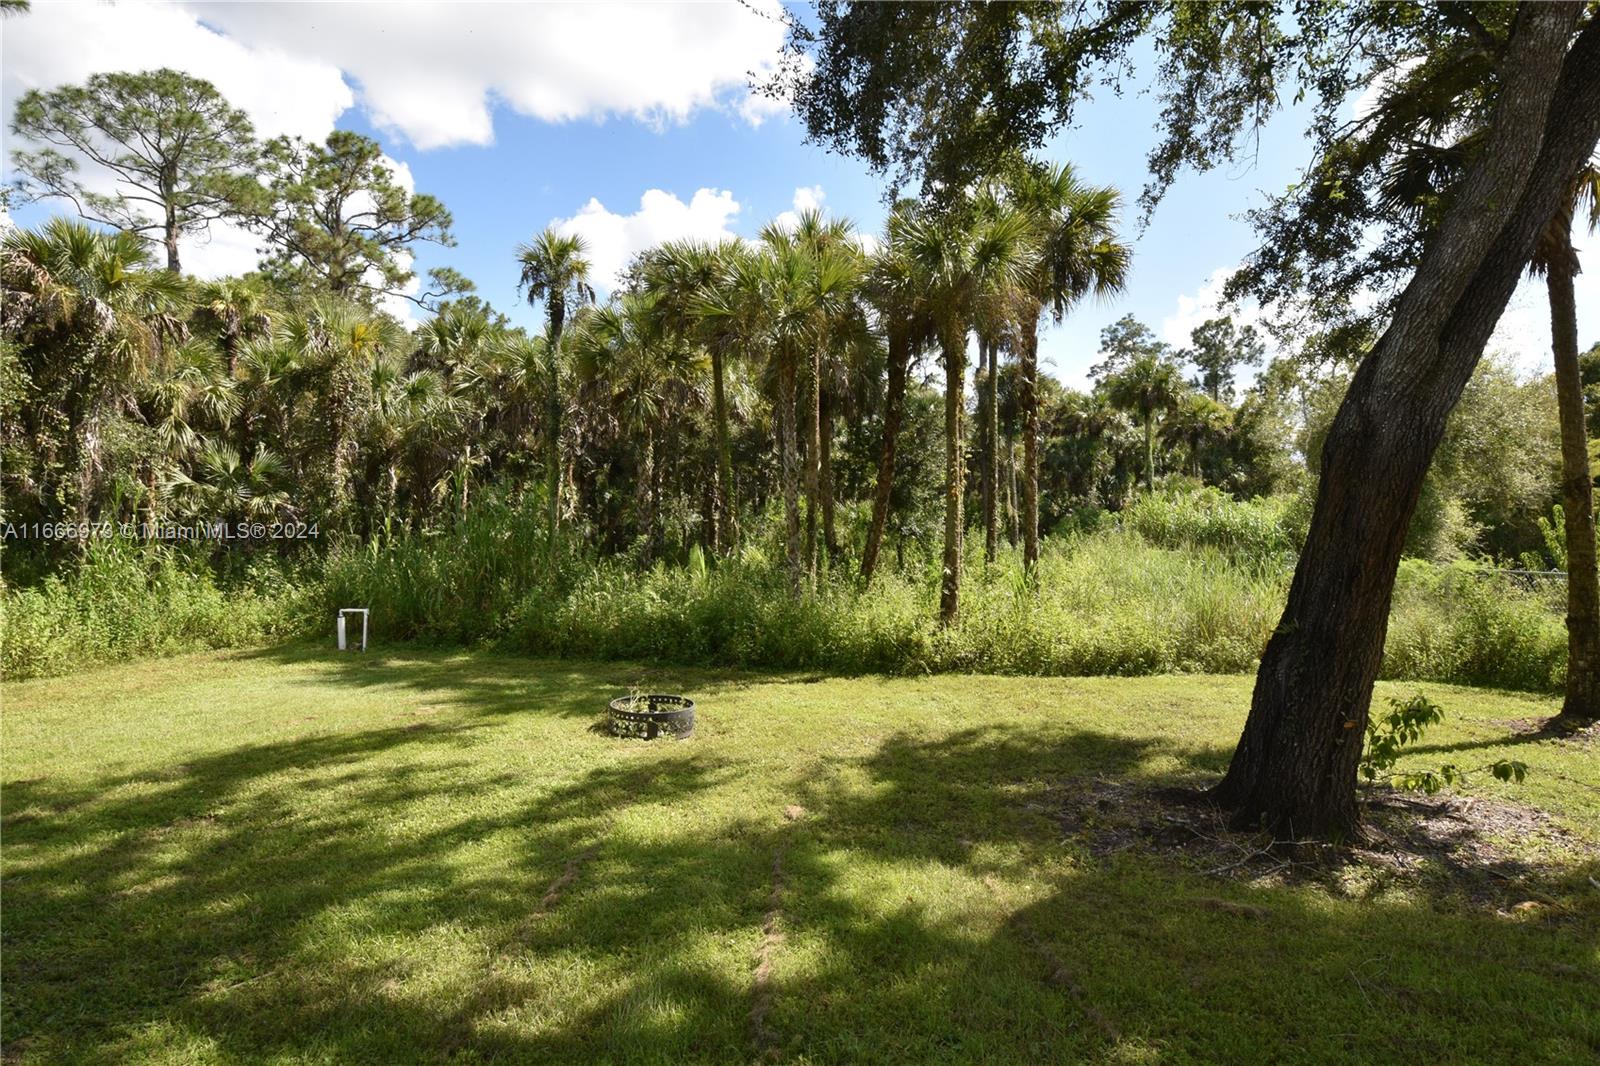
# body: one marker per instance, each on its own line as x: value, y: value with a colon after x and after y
x: 1389, y: 735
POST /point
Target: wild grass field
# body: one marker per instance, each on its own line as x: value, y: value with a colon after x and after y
x: 292, y: 856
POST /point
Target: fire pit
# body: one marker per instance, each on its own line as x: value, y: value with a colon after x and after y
x: 650, y: 716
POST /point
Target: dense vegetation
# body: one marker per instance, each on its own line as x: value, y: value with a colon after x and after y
x: 734, y: 442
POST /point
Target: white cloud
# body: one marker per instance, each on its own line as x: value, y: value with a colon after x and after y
x: 1206, y: 303
x: 433, y: 71
x: 806, y: 198
x: 282, y: 89
x: 613, y: 240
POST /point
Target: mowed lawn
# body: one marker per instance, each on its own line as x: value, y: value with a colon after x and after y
x: 291, y: 856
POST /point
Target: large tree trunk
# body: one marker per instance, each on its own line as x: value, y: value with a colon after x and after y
x: 1582, y: 703
x: 1294, y: 771
x: 1029, y: 402
x: 722, y: 507
x: 893, y: 410
x: 955, y: 402
x: 789, y: 470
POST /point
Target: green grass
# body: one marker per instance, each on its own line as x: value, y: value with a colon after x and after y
x: 289, y: 856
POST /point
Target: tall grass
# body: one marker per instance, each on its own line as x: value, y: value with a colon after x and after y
x: 1183, y: 586
x: 124, y: 603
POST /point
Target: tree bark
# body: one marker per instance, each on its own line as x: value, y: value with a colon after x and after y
x: 830, y: 537
x: 991, y: 450
x: 558, y: 315
x: 1029, y: 402
x: 813, y: 464
x: 1582, y: 702
x: 955, y: 400
x: 893, y: 411
x: 722, y: 506
x: 1294, y: 770
x: 789, y: 468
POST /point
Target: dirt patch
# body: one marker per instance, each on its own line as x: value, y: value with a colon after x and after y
x: 1488, y: 853
x: 761, y: 1034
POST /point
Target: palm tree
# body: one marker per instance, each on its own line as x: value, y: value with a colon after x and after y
x: 1080, y: 254
x: 91, y: 320
x: 960, y: 260
x: 1198, y: 421
x: 239, y: 309
x: 833, y: 266
x: 221, y: 485
x: 335, y: 345
x: 1557, y: 260
x: 905, y: 316
x: 554, y: 270
x: 626, y: 348
x: 682, y: 274
x: 1147, y: 387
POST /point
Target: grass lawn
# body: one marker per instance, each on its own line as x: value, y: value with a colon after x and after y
x: 289, y: 856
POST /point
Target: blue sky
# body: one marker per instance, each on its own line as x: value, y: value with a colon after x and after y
x: 519, y: 117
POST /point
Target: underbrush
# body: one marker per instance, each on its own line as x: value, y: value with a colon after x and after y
x: 121, y: 603
x: 1182, y: 586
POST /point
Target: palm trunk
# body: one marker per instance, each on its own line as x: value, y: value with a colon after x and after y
x: 722, y: 506
x: 552, y: 479
x: 830, y: 537
x: 1150, y: 451
x: 1029, y: 401
x: 1582, y: 703
x: 991, y: 452
x: 647, y: 497
x: 789, y: 471
x: 813, y: 464
x: 955, y: 370
x: 1294, y: 770
x: 893, y: 410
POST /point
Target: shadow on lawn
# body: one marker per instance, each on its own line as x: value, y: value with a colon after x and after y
x: 927, y: 908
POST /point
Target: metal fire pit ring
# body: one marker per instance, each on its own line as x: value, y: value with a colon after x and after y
x: 650, y: 716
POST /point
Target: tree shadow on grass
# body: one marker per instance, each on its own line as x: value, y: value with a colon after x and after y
x: 496, y: 683
x: 435, y: 905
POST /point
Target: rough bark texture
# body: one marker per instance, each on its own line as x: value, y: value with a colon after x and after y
x: 1294, y: 770
x: 830, y: 537
x: 813, y: 465
x: 558, y: 318
x: 955, y: 403
x: 991, y: 449
x: 722, y: 486
x: 1582, y: 703
x: 893, y: 411
x: 789, y: 466
x: 1029, y: 402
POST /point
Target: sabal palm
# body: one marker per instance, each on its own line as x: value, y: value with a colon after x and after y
x: 92, y: 321
x: 684, y: 275
x: 834, y: 269
x: 960, y: 259
x: 555, y: 270
x: 1079, y: 255
x: 222, y: 485
x: 893, y: 288
x: 626, y: 348
x: 1146, y: 388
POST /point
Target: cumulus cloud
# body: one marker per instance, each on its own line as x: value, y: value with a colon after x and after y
x: 433, y: 71
x: 1206, y: 303
x: 806, y: 198
x: 283, y: 90
x: 429, y: 71
x: 613, y: 240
